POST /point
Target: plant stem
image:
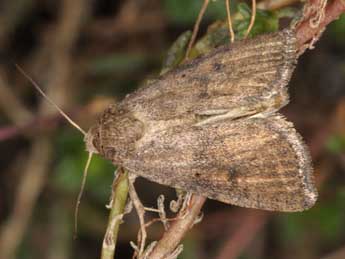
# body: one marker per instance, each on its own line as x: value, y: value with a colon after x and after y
x: 173, y: 236
x: 118, y: 203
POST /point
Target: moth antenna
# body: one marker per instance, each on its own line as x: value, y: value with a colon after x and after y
x: 228, y: 14
x: 50, y: 100
x: 196, y: 27
x: 81, y: 191
x: 252, y: 18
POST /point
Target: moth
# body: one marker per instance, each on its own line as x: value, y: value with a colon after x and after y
x: 212, y: 127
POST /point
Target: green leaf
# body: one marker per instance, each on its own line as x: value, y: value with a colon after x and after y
x: 287, y: 12
x: 265, y: 21
x: 217, y: 34
x: 336, y: 143
x: 244, y: 10
x: 176, y: 52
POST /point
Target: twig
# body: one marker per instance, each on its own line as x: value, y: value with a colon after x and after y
x: 305, y: 33
x: 228, y: 15
x: 141, y: 214
x: 118, y: 202
x: 196, y: 27
x: 173, y: 236
x: 252, y: 18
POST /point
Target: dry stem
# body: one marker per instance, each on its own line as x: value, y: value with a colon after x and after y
x: 141, y: 214
x: 306, y: 33
x: 252, y: 18
x: 196, y: 27
x: 118, y: 202
x: 173, y: 236
x: 228, y: 15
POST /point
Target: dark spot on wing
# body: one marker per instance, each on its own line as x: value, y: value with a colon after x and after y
x: 217, y: 66
x: 232, y: 174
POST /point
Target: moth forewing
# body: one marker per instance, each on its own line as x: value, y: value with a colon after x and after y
x: 253, y: 162
x: 248, y: 76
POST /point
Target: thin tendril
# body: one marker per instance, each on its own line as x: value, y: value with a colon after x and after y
x: 231, y: 30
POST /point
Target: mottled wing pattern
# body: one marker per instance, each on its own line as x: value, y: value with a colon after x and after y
x: 246, y: 77
x: 253, y: 162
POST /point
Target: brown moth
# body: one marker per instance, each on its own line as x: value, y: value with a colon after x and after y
x: 211, y: 127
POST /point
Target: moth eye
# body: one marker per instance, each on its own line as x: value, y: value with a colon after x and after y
x: 183, y: 75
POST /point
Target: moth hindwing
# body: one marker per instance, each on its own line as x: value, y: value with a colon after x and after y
x: 211, y: 127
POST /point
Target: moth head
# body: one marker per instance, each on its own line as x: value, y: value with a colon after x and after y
x: 115, y: 136
x: 89, y: 140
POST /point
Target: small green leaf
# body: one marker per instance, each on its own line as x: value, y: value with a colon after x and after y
x: 265, y: 21
x: 217, y: 34
x: 287, y: 12
x: 244, y: 10
x: 336, y: 143
x: 176, y: 52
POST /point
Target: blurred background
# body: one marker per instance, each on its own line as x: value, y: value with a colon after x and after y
x: 88, y: 54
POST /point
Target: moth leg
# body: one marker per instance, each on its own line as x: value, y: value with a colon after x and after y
x: 175, y: 205
x: 162, y: 213
x: 228, y: 14
x: 185, y: 205
x: 142, y: 235
x: 181, y: 204
x: 176, y: 252
x: 196, y: 27
x: 149, y: 249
